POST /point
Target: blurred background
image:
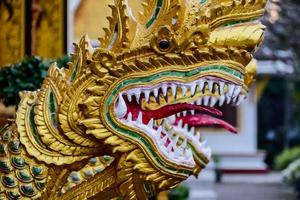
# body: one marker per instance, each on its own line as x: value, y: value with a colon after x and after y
x: 261, y: 162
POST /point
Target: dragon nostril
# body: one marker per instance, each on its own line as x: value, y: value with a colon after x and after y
x: 164, y: 44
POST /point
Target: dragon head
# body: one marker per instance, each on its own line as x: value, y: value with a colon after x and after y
x: 141, y: 96
x: 170, y: 69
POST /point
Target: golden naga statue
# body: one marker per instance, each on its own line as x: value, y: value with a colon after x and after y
x: 121, y: 122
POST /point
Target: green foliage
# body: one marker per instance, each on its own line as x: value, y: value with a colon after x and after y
x: 287, y: 157
x: 25, y: 75
x: 181, y: 192
x: 291, y: 174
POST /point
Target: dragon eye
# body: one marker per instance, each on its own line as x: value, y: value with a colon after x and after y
x: 164, y: 44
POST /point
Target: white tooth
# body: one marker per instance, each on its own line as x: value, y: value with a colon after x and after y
x: 241, y: 99
x: 165, y: 90
x: 221, y: 100
x: 129, y: 97
x: 237, y: 91
x: 183, y: 89
x: 221, y: 87
x: 169, y: 148
x: 121, y: 108
x: 151, y: 122
x: 192, y: 130
x: 129, y: 117
x: 193, y: 112
x: 193, y: 89
x: 175, y: 140
x: 173, y: 88
x: 158, y: 132
x: 186, y: 127
x: 137, y: 94
x: 140, y: 118
x: 184, y: 113
x: 210, y: 85
x: 230, y: 90
x: 155, y: 92
x: 201, y: 84
x: 228, y: 99
x: 199, y: 101
x: 164, y: 140
x: 147, y: 95
x: 184, y: 143
x: 206, y: 100
x: 198, y: 136
x: 171, y: 119
x: 180, y: 123
x: 207, y: 152
x: 213, y: 101
x: 178, y: 114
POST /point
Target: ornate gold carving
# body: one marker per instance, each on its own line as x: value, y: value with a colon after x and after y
x: 72, y: 125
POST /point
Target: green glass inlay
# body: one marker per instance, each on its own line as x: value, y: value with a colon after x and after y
x: 4, y: 166
x: 27, y: 190
x: 13, y: 195
x: 199, y: 70
x: 202, y: 1
x: 18, y: 162
x: 8, y: 181
x: 14, y: 146
x: 36, y: 171
x: 33, y: 126
x: 155, y: 14
x: 2, y: 149
x: 24, y: 176
x: 40, y: 185
x: 53, y: 113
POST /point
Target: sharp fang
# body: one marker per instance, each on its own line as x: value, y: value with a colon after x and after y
x: 183, y: 89
x: 178, y: 114
x: 193, y: 112
x: 173, y: 88
x: 206, y: 100
x: 228, y: 99
x: 184, y: 113
x: 240, y: 100
x: 155, y: 92
x: 221, y: 100
x: 210, y: 85
x: 150, y: 123
x: 165, y: 90
x: 158, y: 132
x: 137, y: 95
x: 221, y: 87
x: 175, y: 140
x: 230, y: 90
x: 129, y: 117
x: 186, y: 127
x: 129, y: 97
x: 201, y: 85
x: 140, y: 118
x: 199, y: 101
x: 213, y: 101
x: 171, y: 119
x: 192, y: 130
x: 147, y: 95
x: 121, y: 108
x: 237, y: 91
x: 184, y: 143
x: 180, y: 123
x: 193, y: 89
x: 197, y: 136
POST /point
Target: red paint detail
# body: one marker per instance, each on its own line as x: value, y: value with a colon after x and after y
x: 206, y: 120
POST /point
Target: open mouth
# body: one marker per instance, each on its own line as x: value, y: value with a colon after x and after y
x: 171, y: 113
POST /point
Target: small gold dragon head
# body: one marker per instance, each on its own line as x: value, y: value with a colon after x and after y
x: 164, y: 73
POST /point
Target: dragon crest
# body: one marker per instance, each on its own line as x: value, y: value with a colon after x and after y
x: 121, y: 121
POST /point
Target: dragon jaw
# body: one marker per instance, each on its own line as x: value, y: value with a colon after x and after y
x: 166, y: 108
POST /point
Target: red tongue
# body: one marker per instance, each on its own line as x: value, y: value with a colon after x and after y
x: 205, y: 120
x: 168, y: 110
